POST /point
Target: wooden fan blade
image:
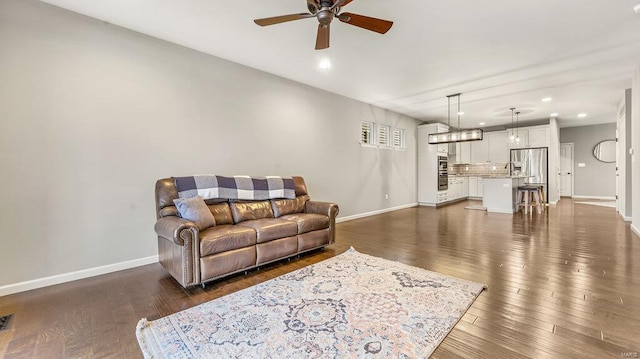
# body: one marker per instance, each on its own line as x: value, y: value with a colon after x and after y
x: 322, y: 40
x: 340, y: 3
x: 365, y: 22
x: 280, y: 19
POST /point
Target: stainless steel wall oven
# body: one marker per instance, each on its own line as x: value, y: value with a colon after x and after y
x: 443, y: 173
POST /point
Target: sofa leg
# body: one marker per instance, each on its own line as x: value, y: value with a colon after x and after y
x: 202, y: 285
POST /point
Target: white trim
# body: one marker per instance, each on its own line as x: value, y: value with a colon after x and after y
x: 373, y: 213
x: 595, y: 197
x: 635, y: 230
x: 624, y: 218
x: 71, y: 276
x: 368, y: 145
x: 426, y: 204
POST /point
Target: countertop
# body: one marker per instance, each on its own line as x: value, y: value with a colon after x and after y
x: 490, y: 176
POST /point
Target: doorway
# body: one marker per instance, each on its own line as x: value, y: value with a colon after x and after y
x: 566, y: 169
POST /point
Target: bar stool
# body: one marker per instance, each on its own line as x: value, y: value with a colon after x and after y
x: 528, y: 197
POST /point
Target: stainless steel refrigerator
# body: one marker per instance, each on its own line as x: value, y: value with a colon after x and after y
x: 533, y: 164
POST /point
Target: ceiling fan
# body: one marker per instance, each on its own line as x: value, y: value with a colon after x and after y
x: 325, y: 11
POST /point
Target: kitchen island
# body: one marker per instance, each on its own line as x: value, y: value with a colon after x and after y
x: 500, y: 193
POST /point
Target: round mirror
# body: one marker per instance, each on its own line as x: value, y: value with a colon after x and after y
x: 605, y: 151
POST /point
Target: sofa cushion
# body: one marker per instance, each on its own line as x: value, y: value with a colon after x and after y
x: 283, y: 207
x: 194, y: 209
x: 221, y: 212
x: 224, y: 238
x: 313, y: 240
x: 276, y: 249
x: 271, y: 228
x: 249, y: 210
x: 307, y: 222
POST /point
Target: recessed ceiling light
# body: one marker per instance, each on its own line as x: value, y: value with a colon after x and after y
x: 637, y: 8
x: 582, y: 115
x: 547, y: 99
x: 460, y: 113
x: 555, y: 114
x: 482, y: 123
x: 325, y: 64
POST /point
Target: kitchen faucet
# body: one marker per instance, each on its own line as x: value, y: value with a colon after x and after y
x: 511, y: 165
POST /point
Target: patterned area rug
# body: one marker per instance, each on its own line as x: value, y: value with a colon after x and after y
x: 352, y: 305
x: 611, y: 204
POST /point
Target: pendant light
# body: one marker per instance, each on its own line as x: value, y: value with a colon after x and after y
x: 517, y: 139
x: 459, y: 135
x: 512, y: 137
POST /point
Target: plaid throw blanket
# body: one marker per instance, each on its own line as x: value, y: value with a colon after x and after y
x: 236, y: 187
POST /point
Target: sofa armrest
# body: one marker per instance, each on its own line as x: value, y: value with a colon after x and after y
x: 327, y: 208
x: 176, y: 229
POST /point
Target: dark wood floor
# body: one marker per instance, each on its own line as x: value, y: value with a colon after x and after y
x: 565, y: 284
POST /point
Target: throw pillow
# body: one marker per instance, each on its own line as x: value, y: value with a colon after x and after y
x: 194, y: 209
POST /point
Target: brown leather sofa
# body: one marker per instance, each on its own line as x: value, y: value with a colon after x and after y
x: 247, y: 234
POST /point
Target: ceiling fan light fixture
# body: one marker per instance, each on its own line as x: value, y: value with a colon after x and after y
x: 325, y: 11
x: 325, y: 64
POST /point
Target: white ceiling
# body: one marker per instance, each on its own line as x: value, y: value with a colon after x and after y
x: 498, y: 53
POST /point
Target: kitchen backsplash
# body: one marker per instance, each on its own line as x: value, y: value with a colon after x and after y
x: 479, y: 169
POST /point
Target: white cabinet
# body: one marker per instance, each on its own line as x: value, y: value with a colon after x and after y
x: 458, y: 188
x: 521, y: 133
x: 453, y: 188
x: 473, y: 186
x: 480, y: 151
x: 539, y: 137
x: 463, y: 184
x: 428, y: 193
x: 498, y: 148
x: 493, y: 148
x: 534, y: 136
x: 443, y: 148
x: 463, y: 154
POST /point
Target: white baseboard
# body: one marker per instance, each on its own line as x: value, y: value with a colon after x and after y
x: 635, y: 230
x: 373, y: 213
x: 624, y: 218
x: 71, y: 276
x: 426, y: 204
x: 594, y: 197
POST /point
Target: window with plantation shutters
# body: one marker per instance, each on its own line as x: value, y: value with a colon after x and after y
x: 383, y: 135
x: 398, y: 138
x: 366, y: 133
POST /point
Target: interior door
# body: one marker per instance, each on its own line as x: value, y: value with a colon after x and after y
x: 566, y: 169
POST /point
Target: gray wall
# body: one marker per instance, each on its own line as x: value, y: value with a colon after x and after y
x: 628, y: 188
x: 92, y: 115
x: 635, y: 139
x: 597, y: 179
